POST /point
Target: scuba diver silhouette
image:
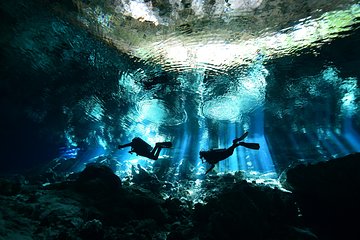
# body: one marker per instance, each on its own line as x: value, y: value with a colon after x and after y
x: 214, y: 156
x: 142, y: 148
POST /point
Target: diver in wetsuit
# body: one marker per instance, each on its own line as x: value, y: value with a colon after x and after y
x: 214, y: 156
x: 142, y: 148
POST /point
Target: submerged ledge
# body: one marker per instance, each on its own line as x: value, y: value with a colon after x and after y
x: 97, y: 204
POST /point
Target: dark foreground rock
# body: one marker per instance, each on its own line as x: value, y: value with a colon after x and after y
x: 328, y: 194
x: 97, y: 204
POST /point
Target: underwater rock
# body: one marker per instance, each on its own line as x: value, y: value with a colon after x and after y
x: 107, y: 161
x: 328, y: 195
x: 57, y: 170
x: 9, y: 187
x: 143, y: 178
x: 92, y: 230
x: 98, y: 206
x: 164, y: 167
x: 175, y: 207
x: 61, y: 165
x: 247, y: 211
x: 97, y: 179
x: 181, y: 231
x: 36, y: 213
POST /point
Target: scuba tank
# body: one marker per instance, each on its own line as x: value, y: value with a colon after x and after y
x: 139, y: 146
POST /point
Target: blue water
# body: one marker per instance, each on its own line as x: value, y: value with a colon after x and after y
x: 65, y: 93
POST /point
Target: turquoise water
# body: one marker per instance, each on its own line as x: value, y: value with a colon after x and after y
x: 69, y: 92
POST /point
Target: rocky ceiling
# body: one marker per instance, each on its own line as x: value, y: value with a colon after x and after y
x: 214, y: 35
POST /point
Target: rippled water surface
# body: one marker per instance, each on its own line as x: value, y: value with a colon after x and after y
x: 79, y: 79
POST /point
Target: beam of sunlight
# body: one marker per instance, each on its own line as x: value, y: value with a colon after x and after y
x: 88, y: 156
x: 315, y: 146
x: 295, y: 145
x: 349, y: 109
x: 203, y: 145
x: 351, y: 135
x: 181, y: 147
x: 257, y: 165
x: 331, y: 143
x: 264, y: 164
x: 68, y: 152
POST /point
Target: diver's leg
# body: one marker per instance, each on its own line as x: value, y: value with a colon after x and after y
x: 230, y: 150
x: 154, y: 155
x: 157, y: 153
x: 125, y: 145
x: 211, y: 168
x: 164, y: 144
x: 241, y: 138
x: 235, y: 145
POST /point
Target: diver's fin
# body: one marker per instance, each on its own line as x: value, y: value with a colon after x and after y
x: 254, y: 146
x: 241, y: 138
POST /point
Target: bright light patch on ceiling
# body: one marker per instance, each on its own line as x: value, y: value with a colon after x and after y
x: 222, y: 54
x: 139, y: 10
x: 214, y: 44
x: 104, y: 19
x: 245, y: 5
x: 177, y: 53
x: 216, y: 53
x: 229, y: 6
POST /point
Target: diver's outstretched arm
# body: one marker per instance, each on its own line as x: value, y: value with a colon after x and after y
x: 211, y: 168
x: 125, y: 145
